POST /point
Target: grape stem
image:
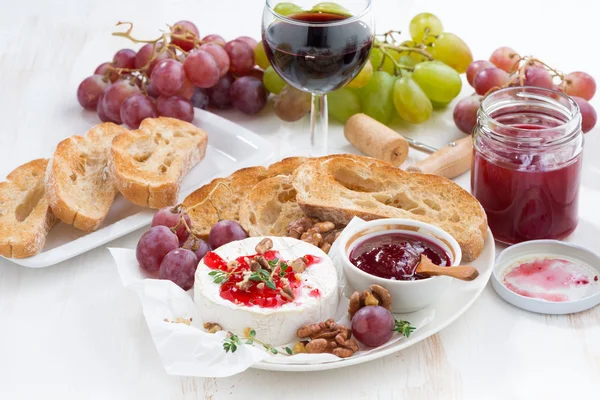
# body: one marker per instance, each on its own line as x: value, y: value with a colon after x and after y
x: 167, y: 46
x: 405, y: 48
x: 520, y: 67
x: 398, y: 67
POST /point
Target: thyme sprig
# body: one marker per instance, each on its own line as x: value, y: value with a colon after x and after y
x: 403, y: 327
x: 232, y: 343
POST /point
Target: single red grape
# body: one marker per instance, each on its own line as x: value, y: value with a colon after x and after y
x: 154, y: 246
x: 201, y: 68
x: 248, y: 94
x: 103, y: 69
x: 179, y: 266
x: 175, y: 107
x: 136, y: 108
x: 214, y: 39
x: 90, y: 89
x: 198, y: 246
x: 241, y: 57
x: 373, y: 325
x: 170, y: 217
x: 124, y: 58
x: 220, y: 56
x: 189, y: 31
x: 225, y: 231
x: 475, y: 67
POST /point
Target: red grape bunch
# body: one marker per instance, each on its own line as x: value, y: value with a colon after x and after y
x: 172, y: 74
x: 507, y: 68
x: 172, y: 250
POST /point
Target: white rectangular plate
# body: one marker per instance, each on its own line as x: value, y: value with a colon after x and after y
x: 230, y: 147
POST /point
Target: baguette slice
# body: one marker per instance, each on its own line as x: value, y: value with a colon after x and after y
x: 222, y: 198
x: 148, y: 164
x: 79, y: 188
x: 25, y: 217
x: 269, y: 207
x: 338, y: 188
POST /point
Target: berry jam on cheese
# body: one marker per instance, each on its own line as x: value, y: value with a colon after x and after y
x: 256, y: 292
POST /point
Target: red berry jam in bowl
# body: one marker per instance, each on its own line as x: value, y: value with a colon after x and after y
x: 396, y: 255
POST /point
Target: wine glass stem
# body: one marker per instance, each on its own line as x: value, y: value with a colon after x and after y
x: 318, y: 125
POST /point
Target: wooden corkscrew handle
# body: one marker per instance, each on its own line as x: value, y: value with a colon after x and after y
x: 450, y: 161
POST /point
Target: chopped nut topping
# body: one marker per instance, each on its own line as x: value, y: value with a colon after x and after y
x: 264, y: 245
x: 212, y: 327
x: 299, y: 265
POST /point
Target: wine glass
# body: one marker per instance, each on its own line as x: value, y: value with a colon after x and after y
x: 318, y: 48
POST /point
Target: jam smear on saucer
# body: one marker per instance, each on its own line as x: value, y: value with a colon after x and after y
x: 238, y: 289
x: 396, y: 256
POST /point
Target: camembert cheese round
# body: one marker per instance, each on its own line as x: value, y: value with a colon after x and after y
x: 293, y: 284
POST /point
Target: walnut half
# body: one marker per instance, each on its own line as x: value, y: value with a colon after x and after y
x: 376, y: 296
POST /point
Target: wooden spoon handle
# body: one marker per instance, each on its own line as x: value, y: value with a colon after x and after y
x: 463, y: 272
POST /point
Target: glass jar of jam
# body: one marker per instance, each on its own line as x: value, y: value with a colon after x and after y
x: 527, y: 163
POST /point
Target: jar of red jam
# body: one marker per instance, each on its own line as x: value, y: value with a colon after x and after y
x: 527, y: 163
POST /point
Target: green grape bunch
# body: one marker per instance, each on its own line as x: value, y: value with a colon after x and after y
x: 406, y: 79
x: 413, y: 77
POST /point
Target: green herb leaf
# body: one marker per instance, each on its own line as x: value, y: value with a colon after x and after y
x: 230, y: 343
x: 403, y: 327
x: 255, y: 277
x: 289, y: 351
x: 264, y: 274
x: 273, y: 263
x: 283, y: 269
x: 274, y: 350
x: 218, y: 276
x: 270, y: 284
x: 252, y: 333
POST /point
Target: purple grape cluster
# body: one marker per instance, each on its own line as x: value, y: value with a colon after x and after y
x: 170, y: 79
x: 171, y: 250
x: 507, y: 68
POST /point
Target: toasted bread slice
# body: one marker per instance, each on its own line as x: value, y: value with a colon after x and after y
x: 79, y: 188
x: 338, y: 188
x: 269, y: 207
x: 222, y: 198
x: 148, y: 164
x: 25, y: 217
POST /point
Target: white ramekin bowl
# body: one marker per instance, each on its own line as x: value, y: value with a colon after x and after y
x: 407, y: 296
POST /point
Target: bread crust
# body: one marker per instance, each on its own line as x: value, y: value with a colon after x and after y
x: 340, y: 187
x: 148, y: 164
x: 79, y: 188
x: 227, y: 194
x: 25, y: 216
x: 269, y: 207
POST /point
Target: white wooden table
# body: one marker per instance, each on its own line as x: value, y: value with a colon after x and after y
x: 73, y: 332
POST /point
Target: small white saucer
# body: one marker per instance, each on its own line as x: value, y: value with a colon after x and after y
x: 527, y: 251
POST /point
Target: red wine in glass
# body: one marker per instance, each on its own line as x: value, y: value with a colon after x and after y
x: 321, y: 52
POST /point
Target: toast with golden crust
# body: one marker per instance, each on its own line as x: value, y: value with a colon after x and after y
x: 340, y: 187
x: 148, y: 164
x: 270, y: 206
x: 25, y: 216
x: 79, y: 188
x: 223, y: 197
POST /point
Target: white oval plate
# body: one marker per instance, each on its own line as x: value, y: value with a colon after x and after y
x: 457, y: 299
x: 230, y: 147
